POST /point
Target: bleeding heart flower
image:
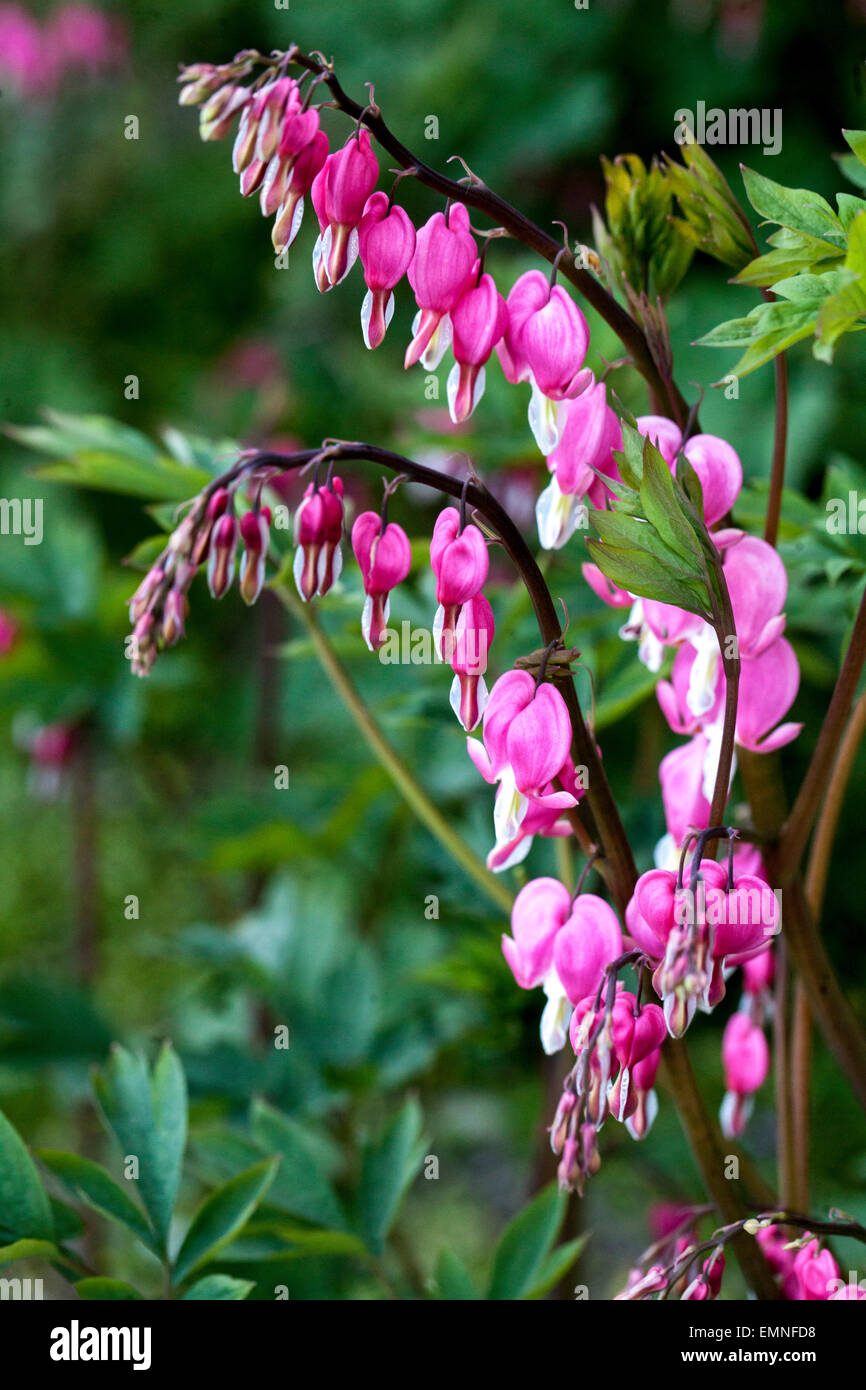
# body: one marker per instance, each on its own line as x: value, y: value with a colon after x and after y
x: 444, y: 265
x: 386, y: 245
x: 478, y: 321
x: 384, y: 558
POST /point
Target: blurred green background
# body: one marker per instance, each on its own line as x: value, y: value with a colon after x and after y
x: 306, y: 907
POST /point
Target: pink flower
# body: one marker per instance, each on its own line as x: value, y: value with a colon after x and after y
x: 717, y: 465
x: 546, y: 344
x: 386, y: 244
x: 23, y: 58
x: 444, y: 265
x: 816, y: 1273
x: 297, y: 178
x: 707, y: 1284
x: 385, y: 558
x: 540, y: 910
x: 768, y: 688
x: 758, y: 586
x: 8, y: 632
x: 589, y: 940
x: 221, y: 555
x: 746, y: 1060
x: 590, y: 433
x: 526, y: 742
x: 460, y: 563
x: 340, y: 192
x: 255, y: 534
x: 478, y: 320
x: 473, y: 634
x: 681, y: 775
x: 84, y: 37
x: 318, y: 531
x: 606, y: 591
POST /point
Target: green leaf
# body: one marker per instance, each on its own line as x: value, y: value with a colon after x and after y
x: 768, y: 330
x: 219, y: 1287
x: 303, y: 1184
x: 662, y: 507
x: 388, y: 1167
x: 148, y: 1117
x: 221, y: 1216
x: 525, y: 1244
x: 857, y: 141
x: 642, y: 574
x: 307, y: 1240
x: 99, y: 1289
x: 453, y: 1280
x: 798, y: 208
x: 556, y: 1265
x: 24, y: 1207
x: 27, y: 1250
x: 91, y: 1184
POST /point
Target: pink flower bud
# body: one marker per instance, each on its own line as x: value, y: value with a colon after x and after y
x: 478, y: 320
x: 473, y: 634
x: 298, y: 182
x: 342, y: 187
x: 386, y: 244
x: 221, y: 557
x: 385, y: 558
x: 173, y: 616
x: 318, y: 531
x: 442, y: 268
x: 254, y: 528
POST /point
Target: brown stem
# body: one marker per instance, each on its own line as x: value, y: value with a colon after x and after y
x: 816, y: 884
x: 728, y: 1194
x: 828, y: 1003
x: 476, y: 194
x: 795, y: 831
x: 782, y: 1082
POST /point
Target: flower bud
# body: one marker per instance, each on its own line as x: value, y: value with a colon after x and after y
x: 221, y: 556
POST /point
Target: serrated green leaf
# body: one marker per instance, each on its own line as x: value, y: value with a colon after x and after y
x: 221, y: 1216
x: 219, y: 1287
x: 525, y: 1245
x: 24, y: 1207
x: 640, y: 573
x: 304, y: 1186
x: 798, y: 208
x: 388, y: 1166
x: 148, y: 1117
x: 662, y: 507
x: 91, y: 1184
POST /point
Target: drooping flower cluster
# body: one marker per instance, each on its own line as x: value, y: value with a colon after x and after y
x: 695, y: 934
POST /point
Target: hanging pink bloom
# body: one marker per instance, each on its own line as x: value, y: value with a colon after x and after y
x: 526, y: 742
x: 318, y: 532
x: 546, y: 344
x: 707, y: 1284
x: 478, y: 321
x: 340, y: 192
x: 255, y: 534
x: 8, y: 632
x: 758, y: 585
x: 608, y: 593
x: 443, y: 267
x: 540, y: 910
x: 590, y: 433
x: 299, y: 179
x: 460, y: 563
x: 299, y: 130
x: 681, y: 776
x: 386, y: 244
x: 768, y: 688
x: 385, y: 558
x: 473, y: 634
x: 589, y: 940
x: 816, y: 1273
x: 221, y: 555
x: 746, y: 1060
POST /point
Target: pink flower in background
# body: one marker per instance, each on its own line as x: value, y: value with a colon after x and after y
x: 83, y: 36
x: 24, y: 62
x: 746, y: 1060
x: 8, y: 632
x: 717, y: 465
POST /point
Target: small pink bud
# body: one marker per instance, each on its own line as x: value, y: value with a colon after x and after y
x: 221, y: 557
